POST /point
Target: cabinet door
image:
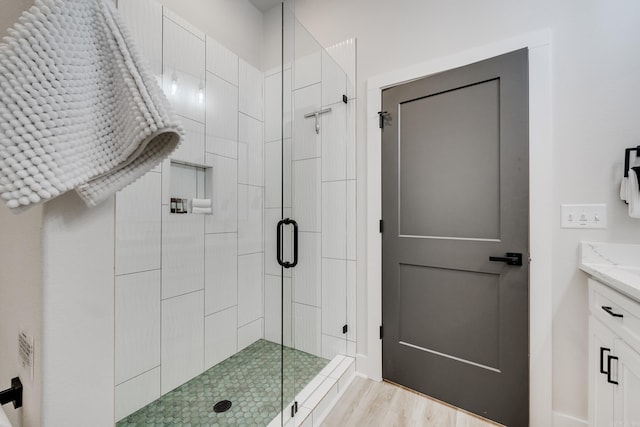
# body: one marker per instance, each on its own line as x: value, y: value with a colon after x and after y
x: 627, y: 392
x: 601, y: 345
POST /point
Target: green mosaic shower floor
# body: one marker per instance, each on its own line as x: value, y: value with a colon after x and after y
x: 250, y: 379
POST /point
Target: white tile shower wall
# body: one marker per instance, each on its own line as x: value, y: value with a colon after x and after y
x: 221, y: 336
x: 307, y: 274
x: 222, y: 117
x: 334, y: 81
x: 334, y: 143
x: 277, y: 121
x: 306, y: 328
x: 334, y: 219
x: 221, y: 272
x: 334, y: 296
x: 307, y: 140
x: 183, y: 70
x: 250, y: 290
x: 250, y: 150
x: 224, y: 195
x: 275, y: 195
x: 307, y: 194
x: 250, y: 90
x: 137, y: 393
x: 194, y: 258
x: 137, y: 324
x: 192, y: 148
x: 182, y: 339
x: 138, y: 225
x: 221, y: 61
x: 250, y: 212
x: 277, y: 290
x: 250, y: 333
x: 182, y: 253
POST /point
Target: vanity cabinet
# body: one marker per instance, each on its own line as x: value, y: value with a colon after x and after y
x: 614, y: 357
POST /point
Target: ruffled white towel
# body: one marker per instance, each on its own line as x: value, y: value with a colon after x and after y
x: 633, y: 193
x: 78, y: 109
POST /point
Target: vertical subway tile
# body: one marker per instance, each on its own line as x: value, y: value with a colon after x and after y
x: 250, y: 290
x: 222, y: 117
x: 182, y: 253
x: 224, y: 195
x: 221, y: 336
x: 138, y: 224
x: 249, y: 219
x: 250, y: 90
x: 138, y: 392
x: 184, y: 70
x: 182, y: 339
x: 334, y: 219
x: 193, y: 145
x: 137, y: 328
x: 307, y: 194
x: 334, y: 296
x: 250, y: 333
x: 221, y: 61
x: 250, y: 151
x: 221, y: 271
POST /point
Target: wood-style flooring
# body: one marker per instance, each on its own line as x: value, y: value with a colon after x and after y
x: 371, y: 403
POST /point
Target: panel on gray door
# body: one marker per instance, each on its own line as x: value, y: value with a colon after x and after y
x: 455, y: 193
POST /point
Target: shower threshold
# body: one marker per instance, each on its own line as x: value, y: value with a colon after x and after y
x: 250, y: 379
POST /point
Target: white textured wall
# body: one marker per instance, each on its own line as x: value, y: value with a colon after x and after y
x: 236, y: 24
x: 78, y: 321
x: 21, y: 307
x: 595, y: 113
x: 20, y: 283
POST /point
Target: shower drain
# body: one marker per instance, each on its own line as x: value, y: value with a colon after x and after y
x: 222, y: 406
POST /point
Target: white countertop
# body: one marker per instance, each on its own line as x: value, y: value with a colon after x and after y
x: 614, y: 264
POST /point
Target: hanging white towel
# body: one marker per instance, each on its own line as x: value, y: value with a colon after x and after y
x: 623, y: 188
x: 78, y: 109
x: 633, y: 193
x: 201, y: 211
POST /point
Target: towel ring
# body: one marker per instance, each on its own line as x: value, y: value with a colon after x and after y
x: 627, y: 154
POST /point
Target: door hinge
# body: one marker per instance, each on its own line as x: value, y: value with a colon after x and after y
x: 345, y: 329
x: 381, y: 116
x: 381, y: 332
x: 345, y: 99
x: 381, y: 226
x: 294, y: 409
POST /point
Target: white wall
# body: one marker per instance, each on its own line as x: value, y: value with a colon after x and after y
x: 595, y: 111
x: 236, y: 24
x: 78, y: 321
x: 21, y: 307
x: 20, y: 284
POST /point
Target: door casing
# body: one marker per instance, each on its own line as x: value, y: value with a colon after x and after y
x: 540, y: 211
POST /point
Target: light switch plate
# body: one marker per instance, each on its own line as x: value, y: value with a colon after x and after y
x: 583, y: 216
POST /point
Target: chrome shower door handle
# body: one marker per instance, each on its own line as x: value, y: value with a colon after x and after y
x: 281, y: 223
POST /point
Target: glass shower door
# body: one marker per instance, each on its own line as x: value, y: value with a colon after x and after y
x: 316, y: 187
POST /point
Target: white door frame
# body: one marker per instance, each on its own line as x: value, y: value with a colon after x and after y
x: 540, y: 207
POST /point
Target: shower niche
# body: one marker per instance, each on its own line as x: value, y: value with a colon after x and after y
x: 193, y: 290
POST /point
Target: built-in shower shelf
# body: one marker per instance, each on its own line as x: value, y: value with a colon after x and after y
x: 189, y: 181
x: 318, y: 397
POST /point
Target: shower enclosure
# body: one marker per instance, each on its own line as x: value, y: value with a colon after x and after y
x: 234, y: 315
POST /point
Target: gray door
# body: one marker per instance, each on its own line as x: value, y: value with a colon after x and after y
x: 455, y: 193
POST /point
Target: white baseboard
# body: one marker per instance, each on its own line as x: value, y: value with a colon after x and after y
x: 564, y: 420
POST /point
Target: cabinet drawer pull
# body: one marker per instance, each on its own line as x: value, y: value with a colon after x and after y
x: 610, y: 311
x: 603, y: 369
x: 609, y: 359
